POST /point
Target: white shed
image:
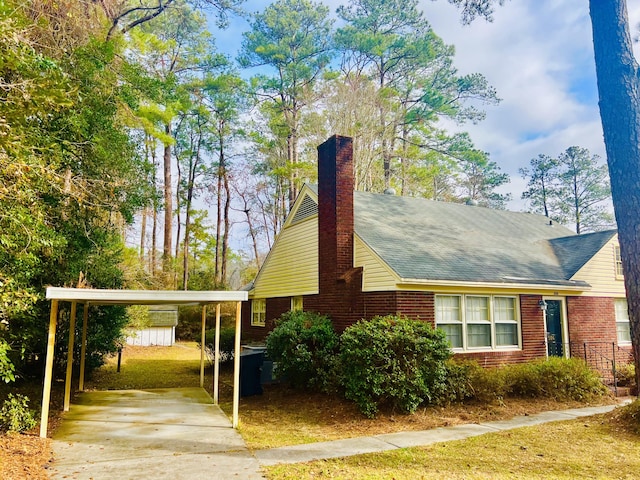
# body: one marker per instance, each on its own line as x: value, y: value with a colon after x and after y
x: 161, y: 331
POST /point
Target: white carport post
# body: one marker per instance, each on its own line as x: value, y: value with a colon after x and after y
x: 72, y: 337
x: 236, y: 368
x: 216, y: 358
x: 202, y: 342
x: 48, y: 369
x: 83, y: 348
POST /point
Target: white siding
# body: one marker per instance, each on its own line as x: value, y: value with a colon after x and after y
x: 600, y: 273
x: 160, y: 336
x: 292, y: 265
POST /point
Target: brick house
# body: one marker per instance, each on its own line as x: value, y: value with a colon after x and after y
x: 504, y: 286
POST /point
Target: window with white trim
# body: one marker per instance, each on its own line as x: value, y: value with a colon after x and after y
x: 618, y: 260
x: 258, y: 312
x: 473, y: 322
x: 623, y: 327
x: 296, y: 304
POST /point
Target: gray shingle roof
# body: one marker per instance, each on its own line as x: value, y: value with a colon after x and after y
x: 427, y: 240
x: 422, y: 239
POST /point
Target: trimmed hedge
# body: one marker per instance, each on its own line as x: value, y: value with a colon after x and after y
x: 556, y: 378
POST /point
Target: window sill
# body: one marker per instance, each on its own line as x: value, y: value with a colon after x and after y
x: 487, y: 350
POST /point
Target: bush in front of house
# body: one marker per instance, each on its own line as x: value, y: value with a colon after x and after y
x: 303, y: 347
x: 556, y: 378
x: 393, y: 361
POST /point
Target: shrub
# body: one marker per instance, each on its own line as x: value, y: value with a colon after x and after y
x: 15, y: 415
x: 626, y: 375
x: 457, y: 382
x: 227, y: 343
x: 557, y: 378
x: 394, y: 361
x: 303, y: 346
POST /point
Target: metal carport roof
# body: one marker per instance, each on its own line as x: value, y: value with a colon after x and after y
x: 88, y: 296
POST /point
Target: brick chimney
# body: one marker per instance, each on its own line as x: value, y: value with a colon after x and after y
x: 335, y: 211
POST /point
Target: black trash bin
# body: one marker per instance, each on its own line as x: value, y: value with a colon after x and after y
x: 250, y: 371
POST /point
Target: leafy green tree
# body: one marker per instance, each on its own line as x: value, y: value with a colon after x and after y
x: 541, y: 175
x: 480, y: 177
x: 293, y: 37
x: 570, y: 189
x: 391, y: 43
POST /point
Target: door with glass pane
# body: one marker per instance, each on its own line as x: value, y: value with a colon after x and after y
x: 554, y: 328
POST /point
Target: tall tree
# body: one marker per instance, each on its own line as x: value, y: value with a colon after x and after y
x: 173, y: 47
x: 391, y: 42
x: 584, y: 186
x: 570, y: 189
x: 541, y: 175
x: 618, y: 86
x: 294, y: 38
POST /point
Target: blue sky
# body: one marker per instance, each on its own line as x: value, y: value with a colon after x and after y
x: 538, y: 54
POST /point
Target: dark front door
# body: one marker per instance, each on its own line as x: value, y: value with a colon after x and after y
x: 554, y: 328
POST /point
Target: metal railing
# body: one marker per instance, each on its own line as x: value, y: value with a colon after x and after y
x: 604, y: 357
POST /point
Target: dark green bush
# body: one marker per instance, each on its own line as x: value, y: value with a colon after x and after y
x: 303, y: 346
x: 393, y: 361
x: 556, y: 378
x: 15, y: 415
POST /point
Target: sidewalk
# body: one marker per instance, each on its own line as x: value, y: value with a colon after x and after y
x: 393, y: 441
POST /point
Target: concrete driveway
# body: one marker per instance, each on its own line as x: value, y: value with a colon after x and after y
x: 160, y: 434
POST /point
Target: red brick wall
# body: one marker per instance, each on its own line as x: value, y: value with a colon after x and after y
x: 591, y: 319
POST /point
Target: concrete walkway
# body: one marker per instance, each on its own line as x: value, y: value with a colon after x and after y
x: 160, y: 434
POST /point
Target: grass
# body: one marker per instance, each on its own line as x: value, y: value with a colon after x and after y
x: 586, y: 448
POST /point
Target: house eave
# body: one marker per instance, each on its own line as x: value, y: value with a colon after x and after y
x: 407, y: 283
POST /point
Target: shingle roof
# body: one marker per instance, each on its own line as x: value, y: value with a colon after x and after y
x: 426, y: 240
x: 422, y: 239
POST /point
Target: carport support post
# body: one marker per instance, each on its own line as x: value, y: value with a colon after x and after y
x: 83, y: 348
x: 202, y: 342
x: 72, y: 338
x: 48, y: 369
x: 216, y: 358
x: 236, y: 368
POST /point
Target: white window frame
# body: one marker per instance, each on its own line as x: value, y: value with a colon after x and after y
x: 297, y: 304
x: 617, y: 257
x: 258, y: 312
x: 492, y: 321
x: 622, y: 318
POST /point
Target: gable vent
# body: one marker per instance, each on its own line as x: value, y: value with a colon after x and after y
x: 308, y: 208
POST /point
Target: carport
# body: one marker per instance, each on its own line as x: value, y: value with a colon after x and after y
x: 88, y: 296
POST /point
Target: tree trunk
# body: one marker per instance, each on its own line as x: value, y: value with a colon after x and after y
x: 168, y: 205
x: 143, y: 231
x: 618, y: 85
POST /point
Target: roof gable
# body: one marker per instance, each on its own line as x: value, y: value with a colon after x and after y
x: 576, y: 250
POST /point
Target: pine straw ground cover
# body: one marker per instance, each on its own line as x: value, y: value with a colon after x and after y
x: 280, y: 416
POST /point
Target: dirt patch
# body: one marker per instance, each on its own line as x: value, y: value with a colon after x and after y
x: 25, y: 456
